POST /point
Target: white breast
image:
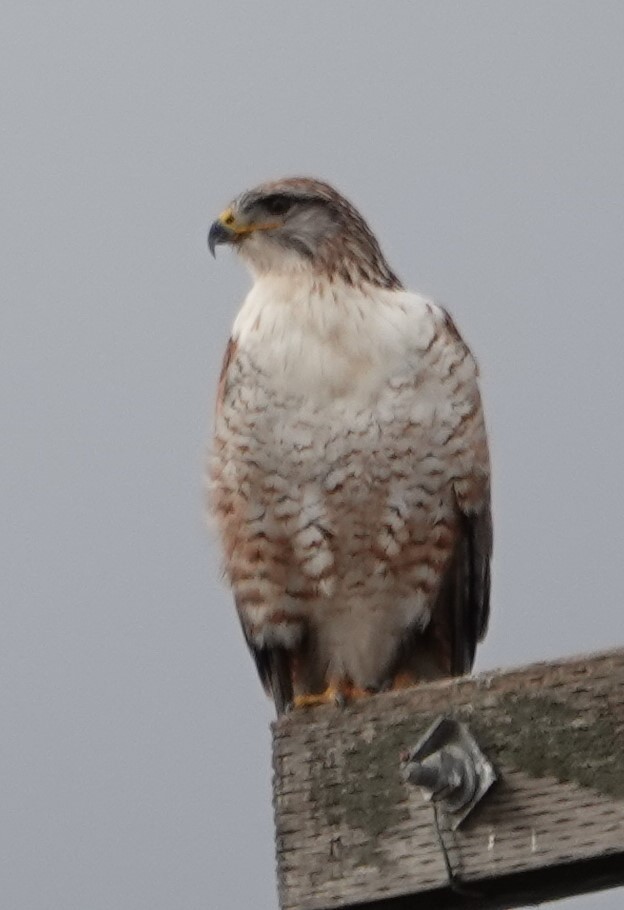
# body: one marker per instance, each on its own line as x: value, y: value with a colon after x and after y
x: 326, y: 340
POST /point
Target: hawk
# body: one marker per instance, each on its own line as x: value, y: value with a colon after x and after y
x: 349, y: 474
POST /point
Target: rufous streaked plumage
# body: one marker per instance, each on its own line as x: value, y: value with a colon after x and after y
x: 349, y: 473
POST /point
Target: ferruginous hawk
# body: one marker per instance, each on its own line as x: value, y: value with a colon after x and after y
x: 349, y: 475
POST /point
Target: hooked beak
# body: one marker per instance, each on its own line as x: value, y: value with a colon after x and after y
x: 230, y: 227
x: 219, y: 233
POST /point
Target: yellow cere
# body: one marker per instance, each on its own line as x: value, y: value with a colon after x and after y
x: 228, y: 220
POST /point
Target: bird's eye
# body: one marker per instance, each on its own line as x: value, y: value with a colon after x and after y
x: 277, y: 205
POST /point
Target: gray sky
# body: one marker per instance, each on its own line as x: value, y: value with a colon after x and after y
x: 484, y: 141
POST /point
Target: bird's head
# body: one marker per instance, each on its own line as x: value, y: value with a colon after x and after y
x: 300, y: 224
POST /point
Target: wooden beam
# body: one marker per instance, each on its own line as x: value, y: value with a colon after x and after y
x: 350, y: 833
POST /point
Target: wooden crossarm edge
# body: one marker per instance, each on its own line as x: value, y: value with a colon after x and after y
x: 351, y: 833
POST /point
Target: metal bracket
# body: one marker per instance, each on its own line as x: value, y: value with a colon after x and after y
x: 450, y: 768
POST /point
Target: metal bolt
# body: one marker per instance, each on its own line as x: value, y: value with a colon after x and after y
x: 450, y: 768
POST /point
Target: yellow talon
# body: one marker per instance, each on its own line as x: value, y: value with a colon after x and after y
x: 335, y: 694
x: 330, y: 696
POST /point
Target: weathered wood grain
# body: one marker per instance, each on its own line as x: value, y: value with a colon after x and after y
x: 350, y: 832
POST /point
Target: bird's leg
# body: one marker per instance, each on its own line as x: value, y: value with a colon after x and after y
x: 403, y: 680
x: 351, y: 692
x: 338, y: 692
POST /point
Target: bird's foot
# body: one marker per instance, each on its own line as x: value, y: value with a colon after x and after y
x: 399, y: 681
x: 403, y: 681
x: 337, y: 693
x: 311, y: 700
